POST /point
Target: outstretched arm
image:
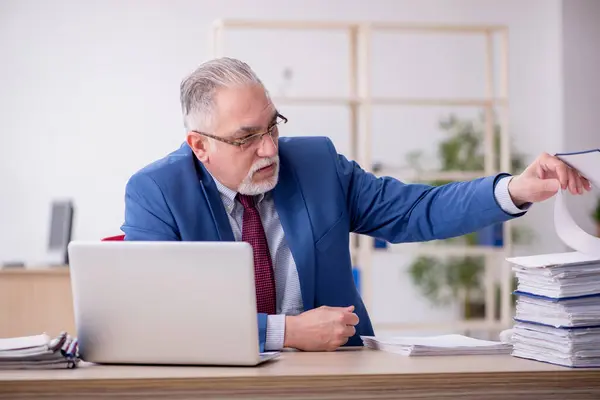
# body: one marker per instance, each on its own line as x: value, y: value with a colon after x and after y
x: 398, y: 212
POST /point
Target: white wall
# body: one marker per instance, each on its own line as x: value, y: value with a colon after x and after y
x: 90, y: 94
x: 581, y: 66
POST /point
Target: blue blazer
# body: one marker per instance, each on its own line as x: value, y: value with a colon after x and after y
x: 321, y: 197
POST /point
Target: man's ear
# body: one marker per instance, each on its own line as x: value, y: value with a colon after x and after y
x: 199, y: 145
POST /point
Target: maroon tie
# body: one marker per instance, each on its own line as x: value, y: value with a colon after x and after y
x: 254, y: 233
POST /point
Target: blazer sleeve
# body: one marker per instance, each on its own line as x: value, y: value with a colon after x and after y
x: 262, y: 330
x: 387, y: 208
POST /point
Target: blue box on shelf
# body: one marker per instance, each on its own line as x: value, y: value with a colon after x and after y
x: 356, y: 276
x: 492, y: 235
x: 379, y: 243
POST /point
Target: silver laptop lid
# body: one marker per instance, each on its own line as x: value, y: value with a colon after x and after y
x: 165, y: 302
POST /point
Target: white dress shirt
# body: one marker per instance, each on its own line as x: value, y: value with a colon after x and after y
x: 287, y: 283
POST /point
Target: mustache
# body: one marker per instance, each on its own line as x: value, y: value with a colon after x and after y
x: 264, y: 162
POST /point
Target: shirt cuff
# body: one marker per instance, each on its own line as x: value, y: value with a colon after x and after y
x: 275, y: 332
x: 504, y: 200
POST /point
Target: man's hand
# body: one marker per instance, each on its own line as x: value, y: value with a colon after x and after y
x: 321, y: 329
x: 542, y: 180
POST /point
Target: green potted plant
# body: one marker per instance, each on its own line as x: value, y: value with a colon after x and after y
x: 596, y: 217
x: 456, y: 278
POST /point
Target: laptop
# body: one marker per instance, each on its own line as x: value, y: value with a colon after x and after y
x: 176, y: 303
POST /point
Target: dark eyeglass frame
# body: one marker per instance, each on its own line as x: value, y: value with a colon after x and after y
x: 241, y: 142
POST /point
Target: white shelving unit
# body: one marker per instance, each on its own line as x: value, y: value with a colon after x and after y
x: 360, y: 103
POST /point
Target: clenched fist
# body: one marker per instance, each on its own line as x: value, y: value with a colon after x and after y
x: 321, y: 329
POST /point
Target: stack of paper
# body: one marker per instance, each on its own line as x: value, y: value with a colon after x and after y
x: 445, y: 345
x: 567, y: 347
x: 39, y: 352
x: 558, y: 309
x: 559, y: 275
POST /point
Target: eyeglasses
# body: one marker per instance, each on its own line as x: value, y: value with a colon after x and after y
x: 249, y: 140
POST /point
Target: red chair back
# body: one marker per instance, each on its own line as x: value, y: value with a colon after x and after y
x: 114, y: 238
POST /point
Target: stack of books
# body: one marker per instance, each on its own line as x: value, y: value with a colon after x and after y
x: 39, y: 352
x: 444, y: 345
x: 558, y: 309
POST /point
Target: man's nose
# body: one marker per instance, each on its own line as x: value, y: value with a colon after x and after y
x: 267, y: 146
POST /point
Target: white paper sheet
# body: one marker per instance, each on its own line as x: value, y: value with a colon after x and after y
x: 442, y: 341
x: 39, y: 352
x: 552, y: 259
x: 25, y: 342
x: 444, y: 345
x: 588, y: 165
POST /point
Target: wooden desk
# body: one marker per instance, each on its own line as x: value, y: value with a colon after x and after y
x: 349, y: 374
x: 33, y: 301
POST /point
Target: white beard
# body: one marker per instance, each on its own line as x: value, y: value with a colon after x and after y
x: 250, y: 188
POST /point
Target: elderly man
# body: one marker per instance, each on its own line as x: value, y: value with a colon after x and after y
x: 295, y: 200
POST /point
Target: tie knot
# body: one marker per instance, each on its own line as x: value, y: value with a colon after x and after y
x: 246, y: 200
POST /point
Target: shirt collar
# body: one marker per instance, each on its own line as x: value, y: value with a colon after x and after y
x: 228, y: 195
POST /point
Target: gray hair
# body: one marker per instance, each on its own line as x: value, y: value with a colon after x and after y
x: 198, y: 89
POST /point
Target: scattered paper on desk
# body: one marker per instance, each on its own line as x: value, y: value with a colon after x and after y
x: 444, y: 345
x: 39, y: 352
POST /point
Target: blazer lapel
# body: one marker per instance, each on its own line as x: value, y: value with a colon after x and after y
x: 214, y: 205
x: 218, y: 213
x: 293, y: 214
